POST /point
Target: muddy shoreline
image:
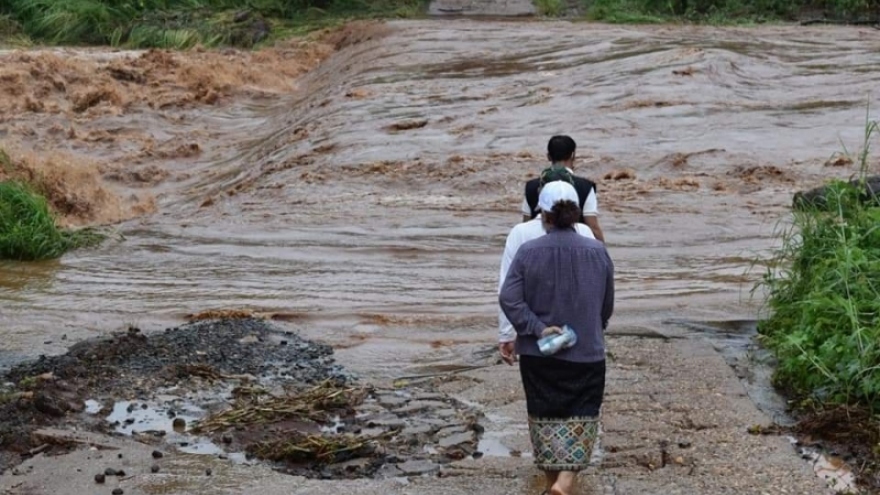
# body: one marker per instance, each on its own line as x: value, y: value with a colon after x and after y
x: 238, y: 389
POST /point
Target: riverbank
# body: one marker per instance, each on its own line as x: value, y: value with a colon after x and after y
x: 664, y: 430
x: 218, y: 23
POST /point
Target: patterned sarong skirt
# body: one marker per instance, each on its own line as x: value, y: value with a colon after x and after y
x: 563, y: 399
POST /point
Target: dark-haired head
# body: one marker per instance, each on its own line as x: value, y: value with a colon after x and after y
x: 561, y: 149
x: 564, y: 214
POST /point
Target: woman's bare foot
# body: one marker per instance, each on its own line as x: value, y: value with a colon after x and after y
x: 564, y: 485
x: 551, y: 477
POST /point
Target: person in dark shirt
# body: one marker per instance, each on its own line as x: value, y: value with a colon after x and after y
x: 561, y: 278
x: 561, y: 151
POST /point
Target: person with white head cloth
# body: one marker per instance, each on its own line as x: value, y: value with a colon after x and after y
x: 560, y: 277
x: 519, y: 235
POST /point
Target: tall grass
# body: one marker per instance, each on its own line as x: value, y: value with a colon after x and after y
x: 825, y: 296
x: 28, y: 230
x: 551, y: 8
x: 186, y: 23
x: 730, y: 11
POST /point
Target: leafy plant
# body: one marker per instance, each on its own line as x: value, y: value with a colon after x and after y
x: 27, y: 227
x: 184, y: 23
x: 552, y: 8
x: 824, y: 294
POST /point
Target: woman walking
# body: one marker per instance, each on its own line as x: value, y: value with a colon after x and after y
x: 561, y: 279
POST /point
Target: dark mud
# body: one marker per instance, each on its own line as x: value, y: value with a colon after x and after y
x: 849, y: 436
x: 241, y: 389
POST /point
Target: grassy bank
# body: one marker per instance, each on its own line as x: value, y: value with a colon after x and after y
x: 183, y: 23
x: 824, y: 296
x: 713, y: 11
x: 28, y: 231
x: 28, y: 225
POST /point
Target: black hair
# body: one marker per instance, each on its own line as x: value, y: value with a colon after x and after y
x: 564, y: 214
x: 560, y: 148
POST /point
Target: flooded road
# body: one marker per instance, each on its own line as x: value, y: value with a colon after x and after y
x: 379, y: 192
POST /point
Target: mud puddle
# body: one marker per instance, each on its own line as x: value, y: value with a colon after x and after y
x: 736, y: 341
x: 832, y: 468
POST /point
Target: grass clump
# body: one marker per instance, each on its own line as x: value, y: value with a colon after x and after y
x: 731, y: 11
x: 187, y: 23
x: 316, y: 404
x: 28, y: 231
x: 825, y: 296
x: 551, y: 8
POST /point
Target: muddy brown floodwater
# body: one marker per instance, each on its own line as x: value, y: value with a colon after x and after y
x: 377, y: 189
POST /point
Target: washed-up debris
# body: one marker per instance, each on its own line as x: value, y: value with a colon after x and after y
x: 241, y: 390
x: 316, y: 404
x: 297, y: 447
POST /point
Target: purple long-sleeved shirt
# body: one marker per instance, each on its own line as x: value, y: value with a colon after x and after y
x: 560, y: 279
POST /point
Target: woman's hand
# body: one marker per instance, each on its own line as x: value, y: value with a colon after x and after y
x: 508, y: 352
x: 551, y: 331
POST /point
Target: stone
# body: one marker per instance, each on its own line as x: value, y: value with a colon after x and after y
x: 419, y: 405
x: 154, y: 468
x: 418, y: 467
x: 118, y: 491
x: 457, y: 453
x: 110, y: 472
x: 417, y: 430
x: 429, y: 396
x: 451, y: 430
x: 208, y: 472
x: 178, y: 423
x: 816, y: 197
x: 388, y: 421
x: 49, y: 405
x: 438, y: 423
x: 100, y: 478
x: 372, y: 432
x: 457, y: 439
x: 157, y: 454
x: 392, y: 401
x: 389, y: 471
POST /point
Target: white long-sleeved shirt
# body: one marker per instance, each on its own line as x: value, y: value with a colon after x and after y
x: 519, y: 235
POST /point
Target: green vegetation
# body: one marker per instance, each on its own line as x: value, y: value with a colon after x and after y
x: 245, y: 23
x: 725, y: 11
x: 825, y: 297
x: 551, y: 8
x: 27, y: 227
x: 184, y: 23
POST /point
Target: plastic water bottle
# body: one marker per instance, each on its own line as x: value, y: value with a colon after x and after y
x: 552, y: 344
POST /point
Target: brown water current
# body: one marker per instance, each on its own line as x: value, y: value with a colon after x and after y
x: 378, y: 193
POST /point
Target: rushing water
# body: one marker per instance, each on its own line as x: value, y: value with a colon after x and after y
x: 384, y: 187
